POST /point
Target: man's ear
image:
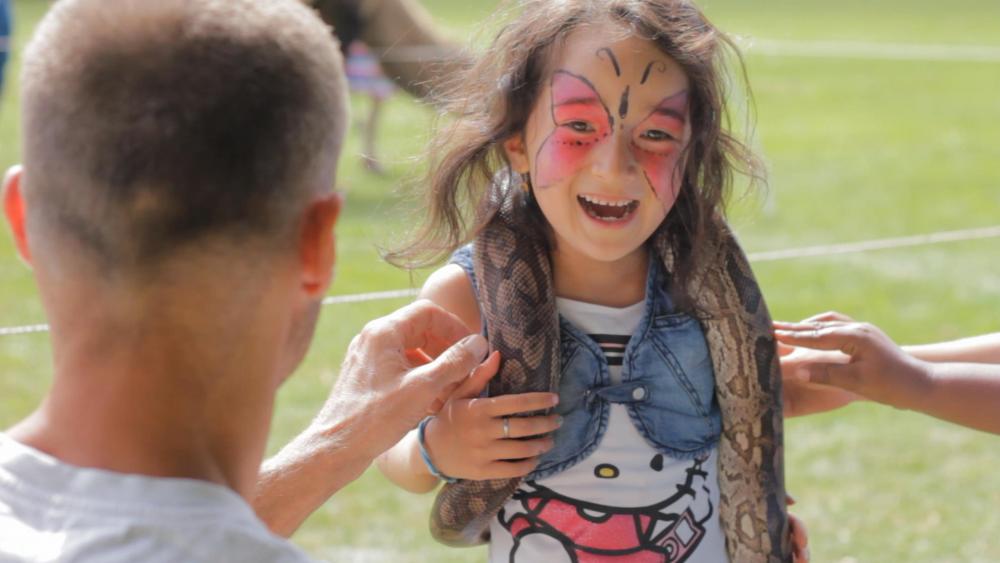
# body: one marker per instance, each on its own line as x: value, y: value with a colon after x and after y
x: 13, y: 208
x: 317, y: 245
x: 517, y: 153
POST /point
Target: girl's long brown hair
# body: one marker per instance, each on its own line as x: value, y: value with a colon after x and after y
x: 492, y: 101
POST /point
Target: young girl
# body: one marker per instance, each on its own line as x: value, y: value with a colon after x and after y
x: 636, y: 415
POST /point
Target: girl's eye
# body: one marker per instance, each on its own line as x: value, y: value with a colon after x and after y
x: 580, y: 126
x: 657, y: 135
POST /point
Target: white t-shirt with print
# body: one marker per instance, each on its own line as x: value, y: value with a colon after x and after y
x: 625, y: 501
x: 52, y: 511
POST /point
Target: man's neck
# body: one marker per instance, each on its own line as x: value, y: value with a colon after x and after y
x: 160, y: 396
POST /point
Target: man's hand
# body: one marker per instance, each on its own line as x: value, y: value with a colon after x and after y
x: 399, y: 369
x: 876, y: 367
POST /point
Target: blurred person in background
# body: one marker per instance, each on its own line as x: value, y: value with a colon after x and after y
x: 365, y: 77
x: 402, y: 35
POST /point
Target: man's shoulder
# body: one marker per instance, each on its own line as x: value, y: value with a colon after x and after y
x: 140, y: 542
x: 27, y: 535
x: 112, y: 517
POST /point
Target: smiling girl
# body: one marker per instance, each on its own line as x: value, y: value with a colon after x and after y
x: 593, y: 128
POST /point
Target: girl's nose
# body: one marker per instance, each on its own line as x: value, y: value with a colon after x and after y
x: 612, y: 159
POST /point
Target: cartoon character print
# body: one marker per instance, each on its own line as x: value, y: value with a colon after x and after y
x: 666, y: 531
x: 624, y: 502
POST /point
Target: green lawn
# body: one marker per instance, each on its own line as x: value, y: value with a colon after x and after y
x: 857, y: 149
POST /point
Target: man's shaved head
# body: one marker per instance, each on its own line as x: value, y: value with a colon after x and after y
x: 150, y: 125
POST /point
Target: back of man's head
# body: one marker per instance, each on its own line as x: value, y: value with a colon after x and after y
x: 156, y: 126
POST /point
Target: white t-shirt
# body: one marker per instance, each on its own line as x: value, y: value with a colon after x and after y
x: 625, y: 501
x: 51, y: 511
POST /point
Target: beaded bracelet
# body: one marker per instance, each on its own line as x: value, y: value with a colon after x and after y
x: 427, y: 457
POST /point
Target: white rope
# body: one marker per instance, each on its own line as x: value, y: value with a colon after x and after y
x: 767, y: 256
x: 376, y: 296
x: 30, y: 329
x: 878, y: 244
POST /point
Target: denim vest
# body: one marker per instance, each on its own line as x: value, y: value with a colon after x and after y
x: 667, y: 383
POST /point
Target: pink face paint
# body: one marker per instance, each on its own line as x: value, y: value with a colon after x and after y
x: 658, y: 143
x: 581, y: 120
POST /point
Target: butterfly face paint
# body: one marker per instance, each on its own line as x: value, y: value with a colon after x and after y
x: 657, y: 145
x: 581, y: 121
x: 603, y: 142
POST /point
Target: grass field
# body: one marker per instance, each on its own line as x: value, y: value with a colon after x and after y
x: 858, y: 148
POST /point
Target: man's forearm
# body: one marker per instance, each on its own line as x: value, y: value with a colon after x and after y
x: 307, y: 472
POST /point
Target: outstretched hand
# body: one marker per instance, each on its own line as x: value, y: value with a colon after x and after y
x: 859, y: 358
x: 800, y: 397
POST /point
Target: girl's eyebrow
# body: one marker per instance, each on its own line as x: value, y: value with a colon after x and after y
x: 660, y: 65
x: 611, y: 57
x: 590, y: 100
x: 674, y: 106
x: 581, y: 91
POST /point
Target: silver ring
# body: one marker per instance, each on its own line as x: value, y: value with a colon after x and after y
x: 506, y: 427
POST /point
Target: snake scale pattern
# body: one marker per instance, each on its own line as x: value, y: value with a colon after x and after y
x: 518, y: 306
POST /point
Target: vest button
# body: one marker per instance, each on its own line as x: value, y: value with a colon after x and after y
x: 639, y: 393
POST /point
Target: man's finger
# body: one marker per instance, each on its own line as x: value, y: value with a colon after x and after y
x: 422, y: 324
x: 474, y: 385
x: 453, y: 365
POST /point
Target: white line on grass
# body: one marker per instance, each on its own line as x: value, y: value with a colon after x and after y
x: 767, y: 256
x: 867, y: 50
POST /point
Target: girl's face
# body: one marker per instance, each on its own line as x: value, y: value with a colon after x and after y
x: 602, y: 143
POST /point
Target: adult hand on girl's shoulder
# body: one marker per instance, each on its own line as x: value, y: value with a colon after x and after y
x: 479, y: 438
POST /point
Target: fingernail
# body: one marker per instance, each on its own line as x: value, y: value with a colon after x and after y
x: 559, y: 421
x: 555, y: 400
x: 476, y: 344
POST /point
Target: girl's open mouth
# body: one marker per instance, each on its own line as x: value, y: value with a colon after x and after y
x: 606, y: 210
